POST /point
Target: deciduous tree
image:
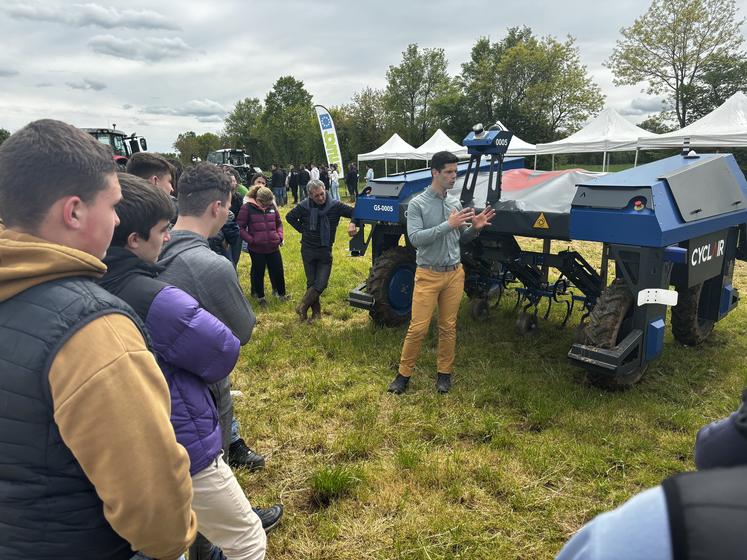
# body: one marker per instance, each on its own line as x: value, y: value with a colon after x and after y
x: 673, y: 45
x: 411, y: 88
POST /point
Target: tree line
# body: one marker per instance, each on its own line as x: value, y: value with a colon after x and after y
x: 688, y: 52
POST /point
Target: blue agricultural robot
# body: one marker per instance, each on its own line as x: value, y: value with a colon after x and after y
x: 673, y: 229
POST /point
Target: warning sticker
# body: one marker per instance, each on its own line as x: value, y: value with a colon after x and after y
x: 541, y: 222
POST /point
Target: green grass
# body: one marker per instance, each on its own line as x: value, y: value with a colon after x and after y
x: 519, y: 455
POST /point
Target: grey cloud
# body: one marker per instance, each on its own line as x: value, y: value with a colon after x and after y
x: 644, y: 106
x: 151, y: 49
x: 82, y: 15
x: 126, y: 106
x: 86, y: 84
x: 204, y: 110
x: 7, y: 73
x: 44, y: 84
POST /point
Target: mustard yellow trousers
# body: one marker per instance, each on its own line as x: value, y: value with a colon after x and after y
x: 442, y: 289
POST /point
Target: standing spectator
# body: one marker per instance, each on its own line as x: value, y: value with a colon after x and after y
x: 351, y: 181
x: 292, y: 181
x: 316, y: 218
x: 153, y: 168
x: 190, y: 265
x: 313, y: 172
x: 277, y: 184
x: 262, y: 230
x: 369, y: 174
x: 334, y: 182
x: 193, y: 349
x: 303, y: 180
x: 91, y: 466
x: 436, y: 225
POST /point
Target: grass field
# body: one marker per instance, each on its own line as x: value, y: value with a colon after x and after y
x: 509, y: 464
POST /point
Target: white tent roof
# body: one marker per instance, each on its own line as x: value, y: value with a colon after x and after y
x: 394, y: 148
x: 517, y: 146
x: 440, y: 142
x: 609, y: 132
x: 724, y: 126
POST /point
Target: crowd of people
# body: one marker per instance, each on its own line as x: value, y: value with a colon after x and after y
x: 121, y: 321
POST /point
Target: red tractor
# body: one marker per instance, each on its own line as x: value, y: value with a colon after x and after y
x: 122, y: 145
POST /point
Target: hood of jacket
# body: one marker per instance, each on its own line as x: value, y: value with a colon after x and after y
x: 121, y: 262
x: 26, y: 261
x: 181, y: 241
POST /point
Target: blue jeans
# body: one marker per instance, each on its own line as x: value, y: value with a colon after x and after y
x: 235, y: 430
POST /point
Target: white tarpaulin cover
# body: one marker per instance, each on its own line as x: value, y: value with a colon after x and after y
x: 394, y: 148
x: 524, y: 190
x: 609, y: 132
x: 440, y: 142
x: 724, y: 126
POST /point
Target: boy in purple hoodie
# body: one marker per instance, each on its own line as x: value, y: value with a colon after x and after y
x: 193, y: 349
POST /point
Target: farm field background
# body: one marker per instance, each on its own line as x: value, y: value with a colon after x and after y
x: 508, y: 465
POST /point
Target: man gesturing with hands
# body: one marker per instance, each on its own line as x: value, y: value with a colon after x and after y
x: 437, y: 225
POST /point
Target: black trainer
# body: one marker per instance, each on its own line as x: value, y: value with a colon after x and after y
x: 240, y: 456
x: 270, y: 516
x: 443, y: 383
x: 399, y: 385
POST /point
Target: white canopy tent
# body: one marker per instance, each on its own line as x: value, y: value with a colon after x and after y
x: 725, y: 126
x: 608, y: 132
x: 395, y: 148
x: 440, y: 142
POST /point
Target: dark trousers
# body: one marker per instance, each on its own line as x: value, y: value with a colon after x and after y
x: 317, y: 264
x: 294, y: 192
x: 274, y: 264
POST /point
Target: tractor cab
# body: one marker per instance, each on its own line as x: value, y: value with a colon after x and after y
x: 121, y: 144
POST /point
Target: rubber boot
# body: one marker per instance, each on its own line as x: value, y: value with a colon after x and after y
x: 316, y: 308
x: 302, y: 309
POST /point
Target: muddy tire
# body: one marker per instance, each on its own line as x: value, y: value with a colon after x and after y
x: 391, y: 281
x: 607, y: 326
x: 687, y: 327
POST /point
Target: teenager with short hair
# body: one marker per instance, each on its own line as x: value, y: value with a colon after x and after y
x: 204, y: 196
x: 153, y: 168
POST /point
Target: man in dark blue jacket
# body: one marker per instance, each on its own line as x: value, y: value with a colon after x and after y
x: 193, y: 349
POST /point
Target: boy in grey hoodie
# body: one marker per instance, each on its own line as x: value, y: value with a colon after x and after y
x: 204, y: 199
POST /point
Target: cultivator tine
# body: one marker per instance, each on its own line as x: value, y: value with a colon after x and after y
x: 568, y: 312
x: 549, y: 307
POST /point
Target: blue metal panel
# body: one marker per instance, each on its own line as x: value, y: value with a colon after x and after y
x: 726, y: 296
x: 654, y: 338
x: 660, y: 227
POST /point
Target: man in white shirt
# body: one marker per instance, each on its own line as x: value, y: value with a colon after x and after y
x: 369, y: 174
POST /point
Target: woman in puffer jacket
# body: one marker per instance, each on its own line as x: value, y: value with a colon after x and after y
x: 262, y: 229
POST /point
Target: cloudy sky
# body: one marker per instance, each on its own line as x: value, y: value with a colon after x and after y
x: 161, y: 67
